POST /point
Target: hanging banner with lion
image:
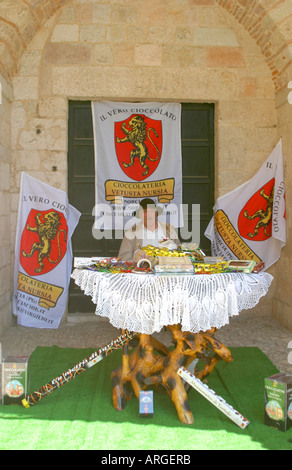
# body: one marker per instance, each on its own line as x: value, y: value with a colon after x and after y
x: 43, y: 254
x: 137, y: 155
x: 249, y: 223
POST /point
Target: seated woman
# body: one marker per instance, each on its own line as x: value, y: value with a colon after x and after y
x: 149, y: 231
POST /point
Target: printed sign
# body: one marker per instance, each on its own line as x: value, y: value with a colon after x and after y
x: 43, y: 254
x: 137, y: 155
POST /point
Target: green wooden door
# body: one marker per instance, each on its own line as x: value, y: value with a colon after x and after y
x: 197, y: 133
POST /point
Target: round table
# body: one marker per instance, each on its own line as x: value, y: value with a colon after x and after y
x: 191, y: 307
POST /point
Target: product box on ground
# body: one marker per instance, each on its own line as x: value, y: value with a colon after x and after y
x: 146, y: 404
x: 14, y: 383
x: 278, y: 401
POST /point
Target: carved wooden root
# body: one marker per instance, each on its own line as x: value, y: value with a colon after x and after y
x: 143, y: 367
x: 135, y: 367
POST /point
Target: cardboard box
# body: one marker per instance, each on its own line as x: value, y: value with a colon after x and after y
x: 278, y: 401
x: 14, y: 383
x: 146, y: 404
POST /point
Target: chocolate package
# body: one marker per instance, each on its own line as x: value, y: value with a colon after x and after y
x: 278, y: 401
x: 14, y: 379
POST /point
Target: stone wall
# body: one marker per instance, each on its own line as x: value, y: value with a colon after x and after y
x: 6, y: 241
x: 282, y: 301
x: 174, y: 50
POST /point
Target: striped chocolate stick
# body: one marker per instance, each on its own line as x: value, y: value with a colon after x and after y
x: 215, y: 399
x: 80, y: 367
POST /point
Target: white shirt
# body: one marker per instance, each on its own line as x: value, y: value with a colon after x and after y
x: 152, y: 238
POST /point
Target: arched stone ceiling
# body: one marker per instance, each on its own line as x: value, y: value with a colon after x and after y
x: 19, y: 21
x: 269, y: 22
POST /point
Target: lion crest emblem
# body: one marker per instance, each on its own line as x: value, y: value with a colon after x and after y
x: 255, y: 219
x: 138, y: 142
x: 43, y: 242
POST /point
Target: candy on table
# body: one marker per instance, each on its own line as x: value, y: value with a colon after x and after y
x: 154, y: 251
x: 206, y: 268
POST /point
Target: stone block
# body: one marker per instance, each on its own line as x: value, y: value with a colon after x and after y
x: 213, y: 17
x: 68, y: 54
x: 4, y: 282
x: 18, y: 120
x: 52, y: 135
x: 183, y: 56
x: 123, y: 54
x: 67, y: 14
x: 53, y: 106
x: 5, y: 108
x: 136, y: 35
x: 92, y: 33
x: 161, y: 35
x: 101, y: 13
x: 30, y: 62
x: 65, y: 33
x: 248, y: 87
x: 25, y: 88
x: 183, y: 36
x: 4, y: 230
x: 257, y: 66
x: 148, y: 54
x: 116, y: 33
x: 4, y: 201
x: 253, y: 113
x: 4, y: 154
x: 5, y: 133
x: 26, y: 160
x: 103, y: 54
x: 124, y: 14
x: 215, y: 37
x: 224, y: 57
x: 156, y: 13
x: 83, y: 12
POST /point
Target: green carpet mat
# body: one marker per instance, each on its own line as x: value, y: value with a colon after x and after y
x: 80, y: 415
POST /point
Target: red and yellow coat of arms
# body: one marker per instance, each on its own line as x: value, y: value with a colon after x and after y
x: 43, y: 242
x: 138, y: 143
x: 255, y: 219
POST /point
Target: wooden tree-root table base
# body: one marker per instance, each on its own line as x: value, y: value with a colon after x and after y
x: 152, y: 362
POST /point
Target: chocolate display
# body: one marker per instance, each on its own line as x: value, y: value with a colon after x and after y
x: 174, y: 265
x: 82, y: 366
x: 243, y: 266
x: 150, y: 259
x: 207, y: 268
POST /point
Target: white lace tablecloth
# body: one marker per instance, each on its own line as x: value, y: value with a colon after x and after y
x: 144, y: 303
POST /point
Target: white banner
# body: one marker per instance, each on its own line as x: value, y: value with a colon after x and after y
x: 249, y: 223
x: 137, y: 155
x: 43, y: 254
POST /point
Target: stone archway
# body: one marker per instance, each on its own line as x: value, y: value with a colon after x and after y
x: 19, y: 21
x: 270, y: 26
x: 267, y: 24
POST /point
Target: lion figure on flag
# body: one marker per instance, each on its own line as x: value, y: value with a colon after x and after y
x: 265, y: 216
x: 137, y: 136
x: 46, y: 231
